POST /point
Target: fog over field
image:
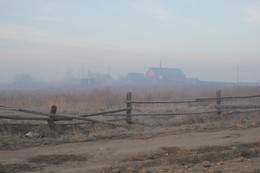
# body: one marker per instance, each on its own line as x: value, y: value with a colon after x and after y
x: 53, y: 39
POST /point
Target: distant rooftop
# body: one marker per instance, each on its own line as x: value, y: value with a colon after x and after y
x: 168, y: 72
x: 135, y: 75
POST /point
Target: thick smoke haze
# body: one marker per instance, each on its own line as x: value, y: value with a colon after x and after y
x: 52, y: 40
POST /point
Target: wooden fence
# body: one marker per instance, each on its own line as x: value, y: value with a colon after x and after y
x: 127, y: 116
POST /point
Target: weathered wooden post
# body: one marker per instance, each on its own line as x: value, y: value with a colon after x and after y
x: 51, y: 120
x: 129, y: 108
x: 218, y: 101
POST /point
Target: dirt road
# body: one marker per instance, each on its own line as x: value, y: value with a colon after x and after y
x: 101, y: 154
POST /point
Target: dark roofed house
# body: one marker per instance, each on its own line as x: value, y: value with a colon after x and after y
x: 95, y: 80
x: 135, y: 77
x: 166, y: 74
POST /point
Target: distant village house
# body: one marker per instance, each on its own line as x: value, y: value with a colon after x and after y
x: 166, y: 75
x: 94, y: 80
x: 135, y: 77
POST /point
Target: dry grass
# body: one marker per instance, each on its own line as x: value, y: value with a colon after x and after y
x: 81, y: 101
x: 14, y: 135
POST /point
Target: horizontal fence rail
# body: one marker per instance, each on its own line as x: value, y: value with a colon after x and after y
x: 193, y: 101
x: 106, y: 112
x: 237, y: 106
x: 129, y: 111
x: 56, y: 116
x: 49, y: 114
x: 65, y: 117
x: 242, y: 112
x: 167, y: 114
x: 23, y: 118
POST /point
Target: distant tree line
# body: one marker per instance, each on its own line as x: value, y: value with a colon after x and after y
x: 23, y: 79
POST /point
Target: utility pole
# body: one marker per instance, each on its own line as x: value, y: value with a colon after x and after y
x: 109, y: 70
x: 160, y: 76
x: 78, y: 70
x: 237, y: 74
x: 82, y: 70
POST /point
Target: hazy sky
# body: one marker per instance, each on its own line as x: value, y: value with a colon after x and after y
x: 208, y: 39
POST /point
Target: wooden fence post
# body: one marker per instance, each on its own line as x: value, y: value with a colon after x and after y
x: 129, y: 106
x: 218, y: 101
x: 51, y: 121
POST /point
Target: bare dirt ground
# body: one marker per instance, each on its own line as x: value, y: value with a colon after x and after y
x: 233, y: 150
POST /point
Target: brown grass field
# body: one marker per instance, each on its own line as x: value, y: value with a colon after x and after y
x: 194, y: 143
